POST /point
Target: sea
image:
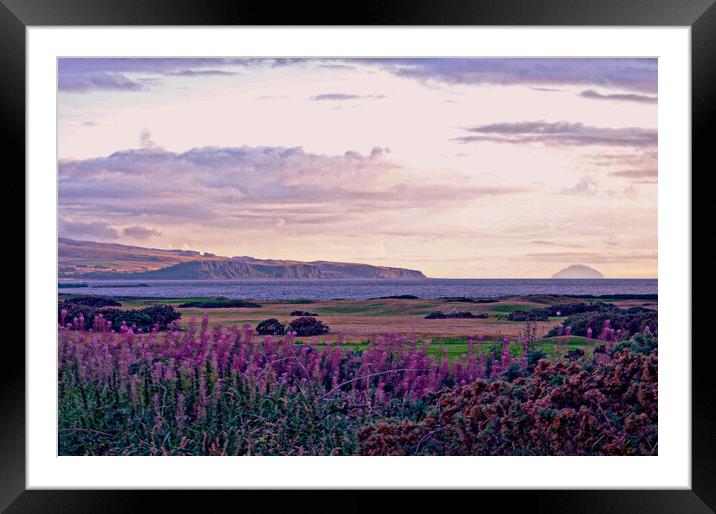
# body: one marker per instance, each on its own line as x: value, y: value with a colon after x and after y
x: 361, y: 289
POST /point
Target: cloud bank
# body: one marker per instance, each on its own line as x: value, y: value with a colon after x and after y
x: 560, y: 134
x: 245, y: 187
x: 629, y: 74
x: 633, y: 75
x: 344, y: 96
x: 81, y: 75
x: 619, y: 97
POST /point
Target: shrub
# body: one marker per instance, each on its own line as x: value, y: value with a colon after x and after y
x: 308, y: 326
x: 629, y: 321
x: 70, y: 285
x: 640, y: 343
x: 162, y: 315
x: 302, y: 313
x: 443, y: 315
x: 534, y: 315
x: 397, y: 297
x: 512, y: 372
x: 533, y: 357
x: 270, y: 327
x: 575, y: 354
x: 465, y: 299
x: 93, y: 301
x: 567, y: 309
x: 562, y: 409
x: 155, y: 316
x: 562, y: 309
x: 69, y: 312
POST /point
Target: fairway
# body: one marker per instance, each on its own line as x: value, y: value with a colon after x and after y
x: 359, y: 321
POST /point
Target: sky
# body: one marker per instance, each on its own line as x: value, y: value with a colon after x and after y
x: 461, y: 168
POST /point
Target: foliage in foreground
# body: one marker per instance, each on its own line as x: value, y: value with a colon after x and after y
x: 225, y: 391
x: 562, y: 409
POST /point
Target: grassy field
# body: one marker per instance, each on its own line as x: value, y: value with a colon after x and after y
x: 213, y: 392
x: 355, y: 322
x: 455, y: 347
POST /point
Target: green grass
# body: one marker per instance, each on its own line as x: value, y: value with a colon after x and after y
x: 507, y: 307
x: 456, y: 347
x: 366, y: 308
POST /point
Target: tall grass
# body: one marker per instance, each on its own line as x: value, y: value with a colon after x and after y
x: 227, y: 391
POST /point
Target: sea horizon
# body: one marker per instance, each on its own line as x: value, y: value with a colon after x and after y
x: 363, y: 289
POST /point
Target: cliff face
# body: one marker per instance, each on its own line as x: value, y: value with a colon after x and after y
x: 237, y: 269
x: 85, y: 259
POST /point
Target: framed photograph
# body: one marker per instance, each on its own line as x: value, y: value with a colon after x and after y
x: 426, y: 247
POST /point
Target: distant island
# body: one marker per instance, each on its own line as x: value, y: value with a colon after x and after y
x: 93, y: 260
x: 578, y: 271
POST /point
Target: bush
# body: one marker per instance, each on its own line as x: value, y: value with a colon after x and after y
x: 562, y: 309
x: 443, y: 315
x: 568, y: 309
x: 533, y: 357
x: 270, y: 327
x: 639, y: 343
x: 562, y: 409
x: 397, y: 297
x: 161, y: 316
x: 218, y: 303
x: 629, y: 321
x: 308, y: 326
x: 575, y: 354
x: 68, y: 312
x: 93, y: 301
x: 302, y: 313
x: 534, y: 315
x: 512, y: 372
x: 146, y: 319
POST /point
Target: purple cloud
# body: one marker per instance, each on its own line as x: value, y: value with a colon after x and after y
x: 619, y: 97
x: 230, y: 185
x: 198, y: 73
x: 342, y: 97
x: 630, y: 74
x: 138, y: 232
x: 103, y: 81
x: 83, y: 74
x: 92, y: 229
x: 560, y: 134
x: 586, y: 186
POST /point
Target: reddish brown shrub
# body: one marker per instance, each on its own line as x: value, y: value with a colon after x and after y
x: 562, y: 409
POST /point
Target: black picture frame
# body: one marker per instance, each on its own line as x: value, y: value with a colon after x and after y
x: 700, y: 15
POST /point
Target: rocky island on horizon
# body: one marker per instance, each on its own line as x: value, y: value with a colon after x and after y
x: 578, y: 271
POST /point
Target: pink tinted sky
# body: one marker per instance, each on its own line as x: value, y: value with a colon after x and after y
x: 457, y: 167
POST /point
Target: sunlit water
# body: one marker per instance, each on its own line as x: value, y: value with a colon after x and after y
x: 363, y: 289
